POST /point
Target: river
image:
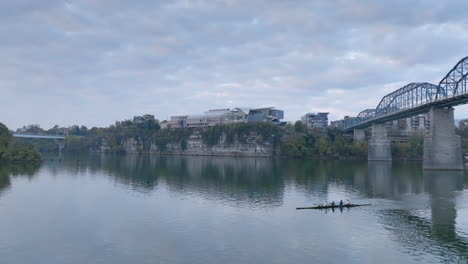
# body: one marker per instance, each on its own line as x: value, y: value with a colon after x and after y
x: 171, y: 209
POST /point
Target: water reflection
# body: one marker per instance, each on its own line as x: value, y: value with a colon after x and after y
x: 418, y: 208
x: 257, y: 178
x: 252, y: 181
x: 7, y: 171
x: 422, y: 231
x: 391, y: 180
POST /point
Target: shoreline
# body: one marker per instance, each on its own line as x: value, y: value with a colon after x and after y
x: 242, y: 155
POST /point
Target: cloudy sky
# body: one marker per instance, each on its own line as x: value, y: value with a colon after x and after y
x: 92, y: 62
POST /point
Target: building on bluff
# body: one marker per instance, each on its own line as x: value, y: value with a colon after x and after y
x: 225, y: 116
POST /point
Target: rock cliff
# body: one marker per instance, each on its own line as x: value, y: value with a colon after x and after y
x: 251, y: 145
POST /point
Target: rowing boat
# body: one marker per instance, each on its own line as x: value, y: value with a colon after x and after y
x: 334, y: 206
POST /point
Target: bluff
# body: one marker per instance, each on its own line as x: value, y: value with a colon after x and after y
x: 249, y: 144
x: 242, y: 139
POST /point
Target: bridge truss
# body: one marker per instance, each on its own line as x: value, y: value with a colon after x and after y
x: 417, y: 98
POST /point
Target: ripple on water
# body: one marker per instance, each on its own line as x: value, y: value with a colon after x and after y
x: 423, y: 239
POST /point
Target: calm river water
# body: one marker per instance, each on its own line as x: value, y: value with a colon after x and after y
x: 152, y: 209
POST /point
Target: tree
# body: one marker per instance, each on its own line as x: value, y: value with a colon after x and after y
x: 10, y: 151
x: 75, y: 144
x: 74, y: 130
x: 300, y: 127
x: 54, y: 130
x: 462, y: 124
x: 33, y: 129
x: 5, y: 136
x: 83, y: 130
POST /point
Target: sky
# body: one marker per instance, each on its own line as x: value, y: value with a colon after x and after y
x: 92, y: 62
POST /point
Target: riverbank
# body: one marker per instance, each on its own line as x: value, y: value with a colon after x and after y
x: 238, y: 140
x: 13, y: 152
x: 257, y: 139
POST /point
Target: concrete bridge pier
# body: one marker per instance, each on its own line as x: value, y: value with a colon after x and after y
x: 61, y: 146
x: 379, y: 147
x: 359, y: 135
x: 442, y: 148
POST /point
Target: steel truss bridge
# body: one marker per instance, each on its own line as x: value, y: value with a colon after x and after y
x: 416, y: 98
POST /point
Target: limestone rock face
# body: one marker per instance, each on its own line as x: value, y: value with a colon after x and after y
x: 132, y: 145
x: 252, y: 145
x: 104, y: 146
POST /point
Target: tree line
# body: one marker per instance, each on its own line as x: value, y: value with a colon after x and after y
x: 12, y: 151
x: 291, y: 140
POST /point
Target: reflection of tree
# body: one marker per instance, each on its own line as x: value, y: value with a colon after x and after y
x: 437, y: 234
x: 262, y: 181
x: 138, y: 172
x: 372, y: 179
x: 314, y: 177
x: 4, y: 180
x: 15, y: 170
x: 252, y: 180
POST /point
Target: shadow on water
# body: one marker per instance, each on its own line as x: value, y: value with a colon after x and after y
x: 7, y: 171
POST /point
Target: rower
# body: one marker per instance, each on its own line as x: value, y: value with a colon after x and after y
x: 341, y: 203
x: 333, y: 203
x: 347, y: 202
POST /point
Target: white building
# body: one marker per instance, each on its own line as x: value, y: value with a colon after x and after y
x: 313, y: 120
x: 225, y: 116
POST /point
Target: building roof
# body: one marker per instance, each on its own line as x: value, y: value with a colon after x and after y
x: 264, y: 108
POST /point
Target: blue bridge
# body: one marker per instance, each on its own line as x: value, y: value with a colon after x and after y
x: 38, y: 136
x: 59, y: 139
x: 417, y: 98
x: 442, y: 148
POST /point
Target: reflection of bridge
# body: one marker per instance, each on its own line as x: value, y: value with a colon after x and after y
x: 442, y: 148
x: 435, y: 232
x: 38, y: 136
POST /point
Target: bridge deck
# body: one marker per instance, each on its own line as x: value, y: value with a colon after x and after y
x: 451, y: 101
x: 38, y: 136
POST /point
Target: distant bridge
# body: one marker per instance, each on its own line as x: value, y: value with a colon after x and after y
x: 38, y: 136
x: 416, y: 98
x: 442, y: 148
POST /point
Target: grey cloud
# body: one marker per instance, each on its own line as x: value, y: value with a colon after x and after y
x: 93, y: 62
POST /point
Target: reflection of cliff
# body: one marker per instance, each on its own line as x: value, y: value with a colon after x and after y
x: 436, y: 234
x: 132, y: 170
x: 236, y: 179
x: 315, y: 176
x: 15, y: 170
x: 255, y: 180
